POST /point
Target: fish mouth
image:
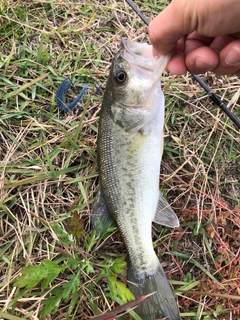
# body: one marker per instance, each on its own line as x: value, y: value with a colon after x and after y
x: 140, y: 54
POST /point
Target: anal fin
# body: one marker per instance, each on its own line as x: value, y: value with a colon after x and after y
x: 164, y: 214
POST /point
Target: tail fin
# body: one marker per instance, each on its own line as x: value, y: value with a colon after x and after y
x: 162, y: 303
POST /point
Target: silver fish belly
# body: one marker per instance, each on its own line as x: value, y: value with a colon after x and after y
x: 130, y: 145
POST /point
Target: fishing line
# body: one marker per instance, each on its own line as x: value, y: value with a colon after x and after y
x: 211, y: 94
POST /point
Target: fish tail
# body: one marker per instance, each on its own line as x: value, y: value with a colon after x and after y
x: 162, y: 302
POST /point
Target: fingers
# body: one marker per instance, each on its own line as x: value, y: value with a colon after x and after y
x: 169, y: 26
x: 193, y: 54
x: 212, y: 28
x: 201, y: 59
x: 181, y: 17
x: 229, y: 59
x: 177, y: 63
x: 221, y: 57
x: 198, y: 54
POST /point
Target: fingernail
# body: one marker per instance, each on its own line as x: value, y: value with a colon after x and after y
x: 233, y: 56
x: 204, y: 64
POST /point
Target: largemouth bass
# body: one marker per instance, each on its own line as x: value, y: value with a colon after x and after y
x: 130, y: 146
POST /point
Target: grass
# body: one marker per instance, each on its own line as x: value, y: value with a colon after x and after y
x: 51, y: 265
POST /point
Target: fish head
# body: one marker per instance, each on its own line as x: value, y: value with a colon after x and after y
x: 135, y: 85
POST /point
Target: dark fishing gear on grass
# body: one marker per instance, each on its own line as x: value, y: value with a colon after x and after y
x: 211, y: 94
x: 62, y: 93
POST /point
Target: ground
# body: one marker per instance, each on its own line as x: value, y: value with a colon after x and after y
x: 52, y: 266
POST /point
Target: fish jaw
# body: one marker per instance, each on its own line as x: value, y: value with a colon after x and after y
x: 140, y: 54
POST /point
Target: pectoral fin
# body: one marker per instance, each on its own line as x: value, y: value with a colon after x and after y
x: 100, y: 216
x: 164, y: 214
x: 130, y: 119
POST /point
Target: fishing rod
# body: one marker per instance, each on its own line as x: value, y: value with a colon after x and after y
x: 211, y: 94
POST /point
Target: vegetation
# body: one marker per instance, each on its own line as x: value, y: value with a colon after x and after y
x: 52, y: 266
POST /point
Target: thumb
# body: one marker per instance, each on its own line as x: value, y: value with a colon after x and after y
x: 172, y: 24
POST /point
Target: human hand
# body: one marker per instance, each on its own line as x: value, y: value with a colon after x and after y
x: 204, y: 35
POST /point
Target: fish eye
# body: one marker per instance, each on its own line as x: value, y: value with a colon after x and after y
x: 120, y: 76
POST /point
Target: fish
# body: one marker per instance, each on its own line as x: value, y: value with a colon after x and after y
x: 129, y: 151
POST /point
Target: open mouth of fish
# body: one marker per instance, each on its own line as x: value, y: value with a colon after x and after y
x: 140, y: 54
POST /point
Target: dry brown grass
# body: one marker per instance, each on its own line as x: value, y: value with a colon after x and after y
x: 48, y: 169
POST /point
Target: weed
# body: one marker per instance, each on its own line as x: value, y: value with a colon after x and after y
x: 52, y: 265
